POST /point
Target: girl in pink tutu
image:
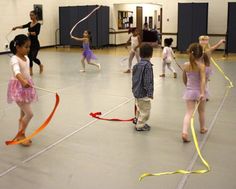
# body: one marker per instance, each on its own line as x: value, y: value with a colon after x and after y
x: 194, y: 78
x: 20, y: 86
x: 87, y: 53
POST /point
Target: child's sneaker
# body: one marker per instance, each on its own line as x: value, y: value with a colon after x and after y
x: 128, y: 71
x: 175, y: 75
x: 162, y: 75
x: 135, y: 120
x: 146, y: 127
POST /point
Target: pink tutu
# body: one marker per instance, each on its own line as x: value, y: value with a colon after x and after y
x: 17, y: 93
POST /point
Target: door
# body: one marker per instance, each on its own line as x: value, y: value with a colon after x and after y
x: 139, y: 20
x: 231, y: 28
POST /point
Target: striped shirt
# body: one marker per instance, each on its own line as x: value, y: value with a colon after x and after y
x: 142, y: 80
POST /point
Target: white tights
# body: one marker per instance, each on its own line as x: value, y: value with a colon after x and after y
x: 26, y: 115
x: 164, y: 64
x: 131, y: 57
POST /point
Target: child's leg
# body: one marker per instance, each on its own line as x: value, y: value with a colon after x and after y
x: 144, y: 107
x: 131, y: 57
x: 27, y: 115
x: 190, y: 108
x: 22, y: 114
x: 94, y: 64
x: 171, y: 68
x: 163, y: 69
x: 83, y: 64
x: 201, y: 112
x: 137, y: 112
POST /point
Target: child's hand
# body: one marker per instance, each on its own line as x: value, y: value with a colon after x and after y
x: 202, y: 97
x: 26, y: 84
x: 222, y: 41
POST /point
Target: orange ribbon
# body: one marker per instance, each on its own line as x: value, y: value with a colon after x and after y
x: 46, y: 122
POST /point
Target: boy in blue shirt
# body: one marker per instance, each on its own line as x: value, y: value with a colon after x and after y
x: 142, y: 87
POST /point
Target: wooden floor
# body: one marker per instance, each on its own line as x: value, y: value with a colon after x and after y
x: 78, y: 152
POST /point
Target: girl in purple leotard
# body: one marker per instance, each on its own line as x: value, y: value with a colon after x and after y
x: 87, y: 53
x: 194, y: 78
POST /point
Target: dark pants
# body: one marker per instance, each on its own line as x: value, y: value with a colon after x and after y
x: 34, y: 49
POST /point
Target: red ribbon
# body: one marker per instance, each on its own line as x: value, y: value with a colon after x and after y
x: 97, y: 116
x: 46, y: 122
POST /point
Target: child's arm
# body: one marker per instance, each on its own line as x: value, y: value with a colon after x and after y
x: 128, y: 42
x: 23, y: 81
x: 172, y: 53
x: 164, y: 53
x: 148, y: 81
x: 203, y: 80
x: 18, y: 75
x: 184, y: 74
x: 217, y: 45
x: 78, y: 38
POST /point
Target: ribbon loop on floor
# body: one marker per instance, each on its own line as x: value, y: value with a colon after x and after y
x: 97, y: 116
x: 46, y: 122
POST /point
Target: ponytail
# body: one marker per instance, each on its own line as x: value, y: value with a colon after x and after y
x: 195, y: 51
x: 13, y: 47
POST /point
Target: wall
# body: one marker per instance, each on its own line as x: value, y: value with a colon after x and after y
x: 217, y: 17
x: 148, y: 10
x: 16, y: 12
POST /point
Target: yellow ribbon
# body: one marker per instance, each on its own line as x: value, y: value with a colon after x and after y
x: 205, y: 163
x: 222, y: 72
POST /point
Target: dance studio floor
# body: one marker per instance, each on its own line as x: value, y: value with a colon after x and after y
x: 76, y: 151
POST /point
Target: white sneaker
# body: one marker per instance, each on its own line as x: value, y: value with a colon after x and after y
x: 82, y: 70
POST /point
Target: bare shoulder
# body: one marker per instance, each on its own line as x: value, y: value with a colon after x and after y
x: 186, y: 66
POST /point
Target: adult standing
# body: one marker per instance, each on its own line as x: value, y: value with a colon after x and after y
x: 33, y: 32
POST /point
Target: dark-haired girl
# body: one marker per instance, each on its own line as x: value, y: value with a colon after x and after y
x: 167, y: 56
x: 87, y: 53
x: 20, y: 86
x: 33, y: 32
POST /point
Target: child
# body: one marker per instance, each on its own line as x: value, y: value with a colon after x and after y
x: 167, y: 56
x: 208, y: 50
x: 88, y: 53
x: 194, y: 78
x: 142, y: 87
x: 135, y: 44
x: 20, y: 87
x: 204, y: 42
